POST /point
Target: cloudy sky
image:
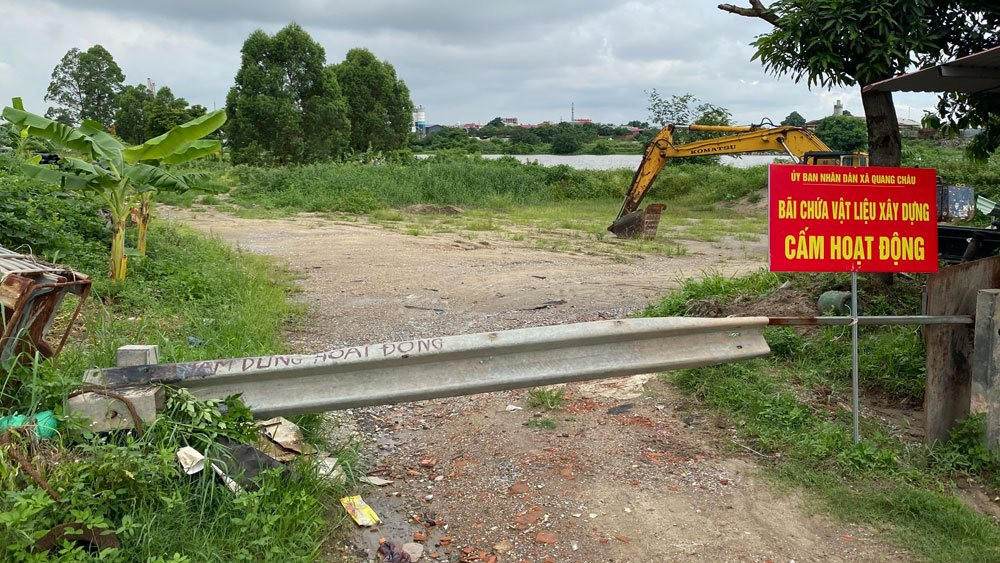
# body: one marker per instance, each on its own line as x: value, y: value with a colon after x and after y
x: 463, y: 61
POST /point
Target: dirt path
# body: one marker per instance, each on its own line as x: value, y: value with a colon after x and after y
x: 625, y: 472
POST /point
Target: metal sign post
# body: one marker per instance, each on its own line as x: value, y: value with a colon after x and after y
x: 852, y: 219
x: 855, y: 404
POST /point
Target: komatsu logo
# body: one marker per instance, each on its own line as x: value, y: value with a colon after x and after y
x: 713, y: 149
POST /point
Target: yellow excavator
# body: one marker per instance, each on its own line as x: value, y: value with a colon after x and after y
x: 797, y: 142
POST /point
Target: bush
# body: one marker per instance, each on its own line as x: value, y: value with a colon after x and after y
x: 39, y: 218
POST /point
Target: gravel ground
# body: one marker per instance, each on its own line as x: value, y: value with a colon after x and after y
x: 629, y: 472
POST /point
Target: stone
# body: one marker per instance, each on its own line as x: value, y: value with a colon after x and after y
x: 107, y: 414
x: 545, y: 538
x: 137, y: 355
x: 503, y: 546
x: 414, y: 550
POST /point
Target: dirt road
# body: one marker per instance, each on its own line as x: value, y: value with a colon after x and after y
x: 625, y: 472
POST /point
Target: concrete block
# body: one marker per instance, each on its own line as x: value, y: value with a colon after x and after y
x: 106, y: 414
x: 137, y: 355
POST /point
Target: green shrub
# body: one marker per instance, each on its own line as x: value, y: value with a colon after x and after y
x: 44, y: 220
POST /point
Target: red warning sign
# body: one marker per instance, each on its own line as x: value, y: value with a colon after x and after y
x: 844, y: 219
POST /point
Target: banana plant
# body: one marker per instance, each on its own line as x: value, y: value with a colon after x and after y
x: 122, y: 176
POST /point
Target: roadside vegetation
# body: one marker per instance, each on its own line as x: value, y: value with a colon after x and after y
x: 791, y: 412
x: 196, y: 299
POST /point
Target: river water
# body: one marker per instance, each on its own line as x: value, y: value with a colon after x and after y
x: 629, y: 161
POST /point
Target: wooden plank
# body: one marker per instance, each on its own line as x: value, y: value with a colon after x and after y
x: 986, y: 365
x: 953, y: 291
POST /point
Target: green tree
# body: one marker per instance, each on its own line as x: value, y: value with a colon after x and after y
x: 567, y: 139
x: 130, y: 118
x: 970, y: 26
x: 379, y: 105
x: 496, y: 122
x: 121, y: 176
x: 285, y: 106
x: 637, y: 123
x: 142, y: 115
x: 675, y: 110
x: 686, y: 109
x: 85, y: 85
x: 164, y: 111
x: 858, y: 42
x: 843, y: 133
x: 524, y: 135
x: 794, y: 119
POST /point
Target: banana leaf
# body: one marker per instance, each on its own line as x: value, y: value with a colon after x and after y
x: 159, y: 148
x: 147, y: 178
x: 70, y: 180
x: 193, y: 150
x: 111, y: 146
x: 59, y: 133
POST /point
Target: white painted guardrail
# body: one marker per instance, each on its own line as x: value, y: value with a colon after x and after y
x: 449, y: 366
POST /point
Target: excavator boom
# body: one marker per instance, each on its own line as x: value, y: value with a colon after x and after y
x: 797, y: 142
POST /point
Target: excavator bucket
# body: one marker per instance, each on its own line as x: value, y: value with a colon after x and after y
x: 639, y: 224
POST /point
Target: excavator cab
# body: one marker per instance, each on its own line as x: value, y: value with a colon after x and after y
x: 835, y: 158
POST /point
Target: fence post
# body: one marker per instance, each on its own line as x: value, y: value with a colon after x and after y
x: 986, y: 364
x: 107, y: 414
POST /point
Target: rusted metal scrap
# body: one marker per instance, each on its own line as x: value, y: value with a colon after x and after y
x: 31, y: 292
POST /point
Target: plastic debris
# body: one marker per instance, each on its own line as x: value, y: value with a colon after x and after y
x: 195, y: 341
x: 329, y: 468
x: 191, y: 460
x: 43, y: 422
x: 391, y: 553
x: 375, y: 480
x: 242, y: 463
x: 514, y: 408
x: 359, y: 510
x: 282, y: 439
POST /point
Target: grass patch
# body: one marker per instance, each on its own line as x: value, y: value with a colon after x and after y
x: 549, y: 399
x: 787, y: 407
x: 190, y: 286
x: 542, y: 423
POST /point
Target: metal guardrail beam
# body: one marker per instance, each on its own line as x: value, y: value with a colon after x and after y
x: 876, y: 320
x: 449, y: 366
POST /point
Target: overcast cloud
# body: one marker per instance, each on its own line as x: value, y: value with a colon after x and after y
x: 463, y: 61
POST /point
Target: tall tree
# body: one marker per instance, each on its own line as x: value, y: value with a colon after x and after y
x: 380, y: 105
x: 164, y: 111
x: 85, y: 85
x: 794, y: 119
x: 858, y: 42
x: 843, y: 133
x: 130, y: 119
x: 142, y: 114
x: 285, y: 106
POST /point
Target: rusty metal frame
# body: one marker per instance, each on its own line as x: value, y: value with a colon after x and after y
x: 31, y: 292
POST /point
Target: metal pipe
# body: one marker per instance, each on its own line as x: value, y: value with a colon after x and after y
x: 856, y: 402
x: 874, y: 320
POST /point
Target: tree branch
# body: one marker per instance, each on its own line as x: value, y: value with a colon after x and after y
x: 756, y: 10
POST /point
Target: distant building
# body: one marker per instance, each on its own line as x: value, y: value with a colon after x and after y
x: 508, y: 120
x: 432, y: 129
x: 907, y: 127
x: 471, y: 126
x: 419, y: 124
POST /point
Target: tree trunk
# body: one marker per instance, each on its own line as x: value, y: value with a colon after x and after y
x: 884, y: 145
x: 141, y: 218
x: 118, y: 258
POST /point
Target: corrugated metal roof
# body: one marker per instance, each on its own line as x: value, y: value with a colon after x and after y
x: 979, y: 72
